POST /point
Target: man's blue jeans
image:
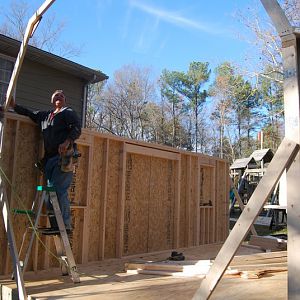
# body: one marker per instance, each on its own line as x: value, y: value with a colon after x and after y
x: 61, y: 181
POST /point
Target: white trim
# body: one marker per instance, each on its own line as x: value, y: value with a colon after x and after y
x: 13, y: 60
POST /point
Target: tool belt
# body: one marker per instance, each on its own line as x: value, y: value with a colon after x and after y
x: 69, y: 159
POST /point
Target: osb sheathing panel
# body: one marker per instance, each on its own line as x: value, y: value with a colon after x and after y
x: 112, y: 198
x: 161, y: 205
x: 95, y: 203
x: 193, y: 200
x: 221, y: 202
x: 25, y: 177
x: 77, y: 235
x: 147, y: 195
x: 20, y: 152
x: 206, y: 186
x: 80, y: 178
x: 6, y: 163
x: 137, y: 198
x: 183, y: 225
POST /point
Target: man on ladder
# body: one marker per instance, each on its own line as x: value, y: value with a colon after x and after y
x: 60, y: 128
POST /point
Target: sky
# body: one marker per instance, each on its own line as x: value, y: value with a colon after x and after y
x: 150, y: 33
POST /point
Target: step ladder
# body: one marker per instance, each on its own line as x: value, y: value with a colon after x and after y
x: 61, y: 240
x: 4, y: 205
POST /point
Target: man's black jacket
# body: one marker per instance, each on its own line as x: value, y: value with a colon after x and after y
x: 56, y: 128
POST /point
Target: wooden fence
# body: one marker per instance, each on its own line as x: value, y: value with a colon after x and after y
x: 127, y: 197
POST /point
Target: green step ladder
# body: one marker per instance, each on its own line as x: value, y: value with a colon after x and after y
x: 61, y: 240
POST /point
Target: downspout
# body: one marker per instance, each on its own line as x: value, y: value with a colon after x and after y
x: 84, y: 104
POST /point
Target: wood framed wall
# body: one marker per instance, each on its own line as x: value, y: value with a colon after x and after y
x: 127, y: 197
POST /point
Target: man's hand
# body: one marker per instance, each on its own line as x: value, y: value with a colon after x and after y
x: 62, y: 148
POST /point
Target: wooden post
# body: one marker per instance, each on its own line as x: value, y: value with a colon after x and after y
x: 283, y: 158
x: 31, y: 26
x: 197, y: 219
x: 188, y: 199
x: 103, y: 200
x: 86, y: 212
x: 177, y: 202
x: 214, y: 202
x: 121, y: 203
x: 290, y: 38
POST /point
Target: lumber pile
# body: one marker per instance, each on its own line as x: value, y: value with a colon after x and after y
x: 268, y: 242
x: 170, y: 268
x: 245, y: 266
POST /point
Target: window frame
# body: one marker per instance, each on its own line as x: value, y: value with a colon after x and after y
x: 12, y: 59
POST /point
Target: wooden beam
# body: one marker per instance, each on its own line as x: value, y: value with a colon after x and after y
x: 188, y: 199
x: 278, y: 17
x: 197, y: 224
x: 121, y: 203
x: 283, y: 158
x: 103, y: 199
x: 214, y: 202
x: 177, y: 203
x: 86, y: 212
x: 151, y: 152
x: 31, y: 26
x: 291, y: 56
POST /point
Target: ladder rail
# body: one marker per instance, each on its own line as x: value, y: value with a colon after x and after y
x: 64, y: 238
x: 61, y: 240
x: 18, y: 273
x: 34, y: 231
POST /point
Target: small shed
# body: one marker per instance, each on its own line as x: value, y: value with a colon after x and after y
x: 262, y: 156
x: 241, y: 164
x: 42, y: 73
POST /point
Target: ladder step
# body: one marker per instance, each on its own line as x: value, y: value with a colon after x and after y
x: 23, y: 211
x: 45, y: 188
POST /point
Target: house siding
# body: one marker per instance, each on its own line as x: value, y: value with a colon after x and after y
x: 37, y: 82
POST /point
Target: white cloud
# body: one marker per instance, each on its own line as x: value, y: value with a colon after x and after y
x: 175, y: 18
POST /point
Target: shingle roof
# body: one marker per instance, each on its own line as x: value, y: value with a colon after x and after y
x: 265, y: 154
x: 12, y: 46
x: 242, y: 163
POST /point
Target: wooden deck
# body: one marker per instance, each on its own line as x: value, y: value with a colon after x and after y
x: 108, y: 280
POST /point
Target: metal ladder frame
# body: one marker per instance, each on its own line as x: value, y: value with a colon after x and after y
x: 61, y: 240
x: 18, y: 272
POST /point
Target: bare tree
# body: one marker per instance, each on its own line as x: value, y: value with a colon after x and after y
x: 48, y: 34
x: 263, y: 38
x: 122, y: 107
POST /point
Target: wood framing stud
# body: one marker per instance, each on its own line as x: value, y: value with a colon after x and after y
x: 121, y: 203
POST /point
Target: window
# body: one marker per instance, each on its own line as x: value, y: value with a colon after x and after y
x: 6, y: 68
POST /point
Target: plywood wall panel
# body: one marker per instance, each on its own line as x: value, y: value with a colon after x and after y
x: 161, y: 205
x: 80, y: 178
x: 112, y: 198
x: 193, y: 200
x: 137, y: 198
x: 95, y: 199
x: 128, y: 197
x: 184, y: 204
x: 77, y: 235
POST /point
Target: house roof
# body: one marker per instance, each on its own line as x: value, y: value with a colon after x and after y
x: 265, y: 154
x: 12, y: 46
x: 242, y: 163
